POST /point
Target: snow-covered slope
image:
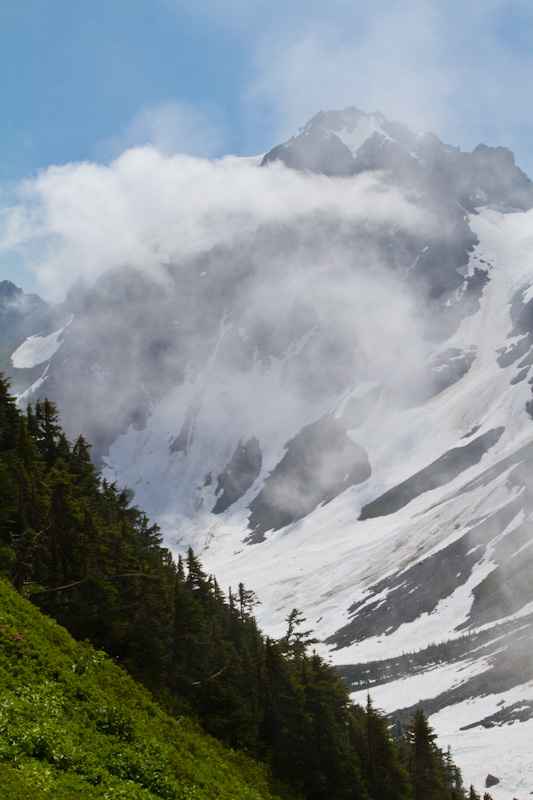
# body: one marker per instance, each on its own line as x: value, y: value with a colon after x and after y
x: 336, y: 409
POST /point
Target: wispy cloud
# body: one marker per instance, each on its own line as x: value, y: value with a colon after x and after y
x: 171, y: 127
x: 456, y: 69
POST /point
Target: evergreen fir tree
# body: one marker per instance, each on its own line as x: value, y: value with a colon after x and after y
x: 385, y: 775
x: 426, y: 763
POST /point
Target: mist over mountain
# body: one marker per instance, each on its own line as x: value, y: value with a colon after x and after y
x: 315, y: 367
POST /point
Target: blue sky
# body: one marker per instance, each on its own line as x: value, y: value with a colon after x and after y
x: 87, y: 79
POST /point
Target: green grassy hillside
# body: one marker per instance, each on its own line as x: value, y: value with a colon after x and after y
x: 74, y: 725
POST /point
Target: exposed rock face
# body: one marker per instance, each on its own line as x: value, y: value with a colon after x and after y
x: 320, y: 462
x: 239, y: 474
x: 21, y: 315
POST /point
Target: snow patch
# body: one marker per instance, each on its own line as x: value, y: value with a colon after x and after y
x: 365, y: 128
x: 37, y: 349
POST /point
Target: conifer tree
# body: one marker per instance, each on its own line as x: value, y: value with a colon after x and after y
x: 247, y: 601
x: 44, y: 426
x: 189, y: 665
x: 426, y: 763
x: 385, y: 775
x: 29, y: 523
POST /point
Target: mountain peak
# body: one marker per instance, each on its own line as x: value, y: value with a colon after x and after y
x: 329, y: 142
x: 21, y: 314
x: 350, y: 141
x: 8, y: 290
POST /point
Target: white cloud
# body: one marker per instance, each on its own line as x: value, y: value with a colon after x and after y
x: 145, y: 207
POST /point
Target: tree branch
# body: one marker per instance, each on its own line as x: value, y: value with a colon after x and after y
x: 85, y: 580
